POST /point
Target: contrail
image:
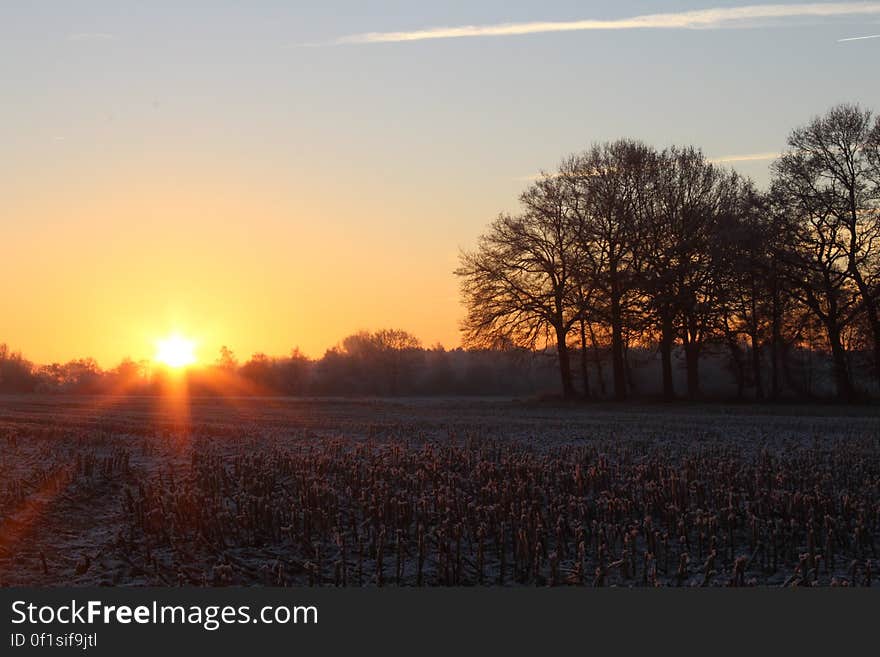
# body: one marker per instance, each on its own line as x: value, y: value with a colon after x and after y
x: 695, y: 19
x: 870, y: 36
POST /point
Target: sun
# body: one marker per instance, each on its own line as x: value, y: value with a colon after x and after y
x: 175, y: 351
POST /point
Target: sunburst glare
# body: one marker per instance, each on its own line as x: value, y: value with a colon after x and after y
x: 176, y: 351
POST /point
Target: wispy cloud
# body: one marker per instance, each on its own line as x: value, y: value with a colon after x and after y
x: 92, y: 36
x: 749, y: 157
x: 696, y: 19
x: 870, y: 36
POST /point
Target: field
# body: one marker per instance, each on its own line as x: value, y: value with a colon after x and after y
x: 282, y: 492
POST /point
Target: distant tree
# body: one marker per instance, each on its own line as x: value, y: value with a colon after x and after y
x: 294, y: 372
x: 51, y: 376
x: 334, y: 373
x: 357, y: 364
x: 16, y: 373
x: 129, y: 373
x: 260, y: 369
x: 398, y: 354
x: 80, y: 375
x: 440, y: 374
x: 227, y: 360
x: 383, y: 362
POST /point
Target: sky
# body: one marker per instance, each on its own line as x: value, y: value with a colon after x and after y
x: 270, y: 175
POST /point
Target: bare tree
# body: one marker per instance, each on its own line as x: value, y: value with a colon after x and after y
x: 832, y: 169
x: 746, y: 272
x: 603, y: 186
x: 396, y: 352
x: 683, y: 207
x: 667, y: 248
x: 814, y: 265
x: 16, y: 374
x: 519, y: 284
x: 226, y: 360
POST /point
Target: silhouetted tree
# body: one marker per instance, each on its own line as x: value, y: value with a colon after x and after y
x: 696, y: 201
x: 226, y: 360
x: 295, y: 372
x: 603, y: 187
x: 746, y: 283
x: 832, y: 171
x: 127, y: 375
x: 519, y: 285
x: 260, y: 369
x: 16, y: 373
x: 815, y: 265
x: 398, y: 354
x: 79, y: 375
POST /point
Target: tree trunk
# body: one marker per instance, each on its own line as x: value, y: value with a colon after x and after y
x: 564, y: 364
x: 756, y: 367
x: 667, y: 340
x: 776, y: 339
x: 756, y: 345
x: 864, y: 291
x: 597, y: 358
x: 738, y: 365
x: 845, y: 390
x: 692, y: 357
x: 617, y: 363
x: 585, y: 373
x: 871, y: 313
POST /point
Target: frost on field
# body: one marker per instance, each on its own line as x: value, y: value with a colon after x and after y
x: 436, y: 494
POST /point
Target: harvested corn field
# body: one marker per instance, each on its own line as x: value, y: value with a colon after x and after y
x: 283, y: 492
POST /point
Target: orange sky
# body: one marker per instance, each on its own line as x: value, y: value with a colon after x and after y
x: 169, y: 168
x: 108, y: 263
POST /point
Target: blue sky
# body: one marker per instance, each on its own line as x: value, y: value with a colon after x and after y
x: 526, y: 100
x: 406, y: 149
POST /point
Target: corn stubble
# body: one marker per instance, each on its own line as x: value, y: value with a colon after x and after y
x: 224, y: 506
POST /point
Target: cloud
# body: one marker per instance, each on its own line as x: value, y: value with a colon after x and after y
x: 92, y: 36
x: 870, y: 36
x: 750, y: 157
x: 696, y: 19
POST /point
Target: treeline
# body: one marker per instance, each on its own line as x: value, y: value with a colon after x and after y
x: 386, y: 362
x: 626, y: 247
x: 393, y: 362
